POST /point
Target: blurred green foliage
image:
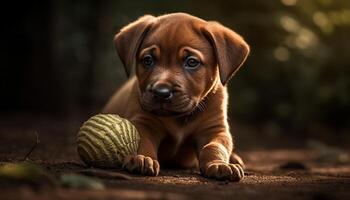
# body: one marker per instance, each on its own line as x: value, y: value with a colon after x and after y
x: 297, y: 74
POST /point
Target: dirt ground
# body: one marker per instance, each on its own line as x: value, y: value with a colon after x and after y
x: 278, y: 172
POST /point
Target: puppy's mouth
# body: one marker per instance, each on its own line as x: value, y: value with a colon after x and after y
x: 179, y: 105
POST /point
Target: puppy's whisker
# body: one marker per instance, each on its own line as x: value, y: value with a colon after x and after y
x: 200, y: 107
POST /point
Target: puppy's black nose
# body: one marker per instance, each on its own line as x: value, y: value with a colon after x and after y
x: 162, y: 92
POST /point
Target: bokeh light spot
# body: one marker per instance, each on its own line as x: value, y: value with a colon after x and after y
x: 289, y: 2
x: 281, y: 54
x: 306, y: 39
x: 289, y: 24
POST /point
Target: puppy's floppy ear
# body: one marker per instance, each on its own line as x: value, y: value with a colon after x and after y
x: 129, y: 39
x: 230, y: 49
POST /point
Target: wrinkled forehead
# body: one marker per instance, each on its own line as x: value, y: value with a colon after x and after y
x: 172, y: 35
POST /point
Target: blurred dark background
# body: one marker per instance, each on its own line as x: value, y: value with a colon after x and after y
x: 58, y: 59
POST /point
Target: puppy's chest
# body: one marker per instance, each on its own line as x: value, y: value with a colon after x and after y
x: 176, y: 139
x: 177, y: 132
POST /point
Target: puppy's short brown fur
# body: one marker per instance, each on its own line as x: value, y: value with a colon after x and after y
x: 177, y: 97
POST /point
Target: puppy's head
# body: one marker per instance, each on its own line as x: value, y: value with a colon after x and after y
x: 178, y: 59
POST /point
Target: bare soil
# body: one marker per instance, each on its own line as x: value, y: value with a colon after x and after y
x: 273, y: 172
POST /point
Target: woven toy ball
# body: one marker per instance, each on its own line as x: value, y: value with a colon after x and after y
x: 106, y: 139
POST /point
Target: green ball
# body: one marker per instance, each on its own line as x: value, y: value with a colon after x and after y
x: 106, y: 139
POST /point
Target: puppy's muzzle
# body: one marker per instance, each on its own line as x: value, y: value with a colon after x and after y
x: 161, y: 92
x: 163, y: 98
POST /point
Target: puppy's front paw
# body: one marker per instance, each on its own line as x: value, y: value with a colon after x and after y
x: 140, y: 164
x: 223, y: 171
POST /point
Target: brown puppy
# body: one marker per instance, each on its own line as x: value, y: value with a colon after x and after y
x: 177, y: 98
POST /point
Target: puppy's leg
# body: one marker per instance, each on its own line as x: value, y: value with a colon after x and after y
x: 236, y: 159
x: 214, y: 158
x: 145, y: 162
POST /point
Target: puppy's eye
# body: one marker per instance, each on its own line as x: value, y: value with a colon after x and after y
x: 148, y: 61
x: 191, y: 62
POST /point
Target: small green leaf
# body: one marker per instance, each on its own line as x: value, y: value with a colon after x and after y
x: 21, y: 171
x: 79, y: 181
